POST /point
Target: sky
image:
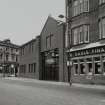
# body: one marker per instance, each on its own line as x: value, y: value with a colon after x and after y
x: 22, y: 20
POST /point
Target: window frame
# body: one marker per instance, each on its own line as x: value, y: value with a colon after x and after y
x: 81, y: 5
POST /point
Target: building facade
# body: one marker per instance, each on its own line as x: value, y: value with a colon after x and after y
x: 9, y: 58
x: 86, y: 40
x: 52, y: 50
x: 29, y: 59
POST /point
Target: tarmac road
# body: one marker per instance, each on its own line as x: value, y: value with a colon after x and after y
x: 25, y: 92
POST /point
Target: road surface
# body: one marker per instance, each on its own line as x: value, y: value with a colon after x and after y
x: 20, y: 92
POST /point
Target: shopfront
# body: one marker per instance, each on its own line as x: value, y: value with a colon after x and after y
x: 50, y: 65
x: 89, y: 65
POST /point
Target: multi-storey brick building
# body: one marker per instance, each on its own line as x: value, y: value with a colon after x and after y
x: 85, y: 40
x: 52, y: 50
x: 9, y: 56
x: 29, y: 59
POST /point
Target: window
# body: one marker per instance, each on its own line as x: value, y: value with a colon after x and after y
x: 76, y: 68
x: 34, y: 67
x: 1, y: 56
x: 86, y: 33
x: 11, y: 50
x: 29, y: 68
x: 13, y: 57
x: 16, y: 58
x: 23, y: 69
x: 97, y: 65
x: 82, y: 68
x: 80, y: 6
x: 102, y: 28
x: 75, y: 35
x: 81, y: 34
x: 7, y: 57
x: 101, y: 1
x: 103, y: 65
x: 48, y: 42
x: 89, y: 65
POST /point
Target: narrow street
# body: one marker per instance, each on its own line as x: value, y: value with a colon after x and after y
x: 25, y: 92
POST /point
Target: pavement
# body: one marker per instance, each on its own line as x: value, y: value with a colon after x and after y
x: 91, y: 86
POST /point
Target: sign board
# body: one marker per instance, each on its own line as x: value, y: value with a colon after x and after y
x: 69, y: 63
x: 50, y: 61
x: 87, y: 52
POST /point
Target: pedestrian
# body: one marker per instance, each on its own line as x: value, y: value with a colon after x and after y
x: 70, y: 82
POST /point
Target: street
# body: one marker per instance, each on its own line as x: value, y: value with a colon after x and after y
x: 24, y: 92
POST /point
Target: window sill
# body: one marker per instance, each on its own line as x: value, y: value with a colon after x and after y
x: 82, y: 74
x: 76, y: 74
x: 97, y: 74
x: 80, y: 44
x: 89, y: 74
x: 80, y: 14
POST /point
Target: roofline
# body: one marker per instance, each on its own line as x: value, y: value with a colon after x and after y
x: 47, y: 21
x: 32, y: 40
x: 9, y: 45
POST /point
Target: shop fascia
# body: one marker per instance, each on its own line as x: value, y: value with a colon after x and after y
x: 87, y: 52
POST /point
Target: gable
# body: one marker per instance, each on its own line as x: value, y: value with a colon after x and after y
x: 50, y: 26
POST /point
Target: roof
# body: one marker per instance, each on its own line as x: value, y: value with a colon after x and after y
x: 59, y: 22
x: 30, y: 41
x: 3, y: 43
x: 87, y: 46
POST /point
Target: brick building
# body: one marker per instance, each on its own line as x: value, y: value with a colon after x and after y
x: 52, y: 50
x: 29, y: 59
x: 85, y: 41
x: 9, y: 58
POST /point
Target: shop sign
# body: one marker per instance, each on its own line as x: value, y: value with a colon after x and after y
x: 88, y: 52
x: 50, y: 61
x: 69, y: 63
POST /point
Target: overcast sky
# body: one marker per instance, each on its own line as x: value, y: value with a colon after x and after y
x: 22, y: 20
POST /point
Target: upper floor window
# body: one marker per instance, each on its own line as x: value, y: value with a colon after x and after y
x: 102, y: 28
x: 101, y: 1
x: 80, y: 6
x: 81, y: 34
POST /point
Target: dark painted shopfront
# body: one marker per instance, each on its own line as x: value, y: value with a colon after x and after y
x: 50, y: 65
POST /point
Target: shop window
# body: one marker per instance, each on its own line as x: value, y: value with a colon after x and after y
x: 75, y: 68
x: 89, y: 64
x: 97, y: 65
x: 90, y: 69
x: 98, y: 68
x: 104, y: 67
x: 82, y: 68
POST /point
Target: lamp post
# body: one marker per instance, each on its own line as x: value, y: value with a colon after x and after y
x: 67, y: 44
x: 4, y: 64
